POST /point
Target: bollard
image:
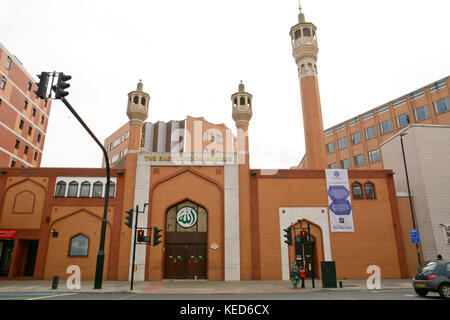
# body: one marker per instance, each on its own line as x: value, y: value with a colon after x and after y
x: 55, y: 282
x: 340, y: 284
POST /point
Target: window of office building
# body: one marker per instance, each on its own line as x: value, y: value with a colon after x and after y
x: 421, y: 113
x: 30, y: 130
x: 29, y: 85
x: 386, y: 126
x: 330, y: 147
x: 359, y: 160
x: 8, y: 63
x: 33, y: 113
x: 35, y: 155
x: 345, y: 164
x: 356, y: 137
x: 343, y: 143
x: 13, y: 162
x: 3, y: 83
x: 332, y: 166
x: 27, y: 146
x: 16, y: 146
x: 374, y: 155
x: 441, y: 105
x: 21, y: 123
x: 39, y: 137
x: 371, y: 132
x: 25, y: 104
x: 402, y: 120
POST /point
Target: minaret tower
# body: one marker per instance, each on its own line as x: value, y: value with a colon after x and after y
x: 137, y: 112
x: 242, y: 113
x: 304, y: 50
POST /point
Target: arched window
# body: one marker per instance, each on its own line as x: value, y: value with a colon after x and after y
x: 112, y: 189
x: 249, y: 102
x: 79, y: 246
x: 357, y: 190
x: 60, y: 189
x: 187, y: 217
x: 143, y: 101
x: 235, y: 102
x: 136, y: 100
x: 370, y: 190
x: 73, y: 189
x: 297, y: 34
x: 97, y: 191
x: 85, y: 189
x: 307, y: 32
x: 242, y: 101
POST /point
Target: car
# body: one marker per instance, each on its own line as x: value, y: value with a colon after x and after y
x: 433, y: 276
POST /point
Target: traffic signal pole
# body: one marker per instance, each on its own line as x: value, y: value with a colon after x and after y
x: 101, y: 250
x: 134, y: 246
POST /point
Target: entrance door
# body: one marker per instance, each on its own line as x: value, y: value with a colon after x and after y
x: 6, y: 250
x: 185, y: 261
x: 30, y: 259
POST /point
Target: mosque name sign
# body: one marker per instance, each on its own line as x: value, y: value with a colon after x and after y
x: 188, y: 158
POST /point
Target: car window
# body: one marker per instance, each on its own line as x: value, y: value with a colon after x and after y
x: 447, y: 268
x: 430, y: 266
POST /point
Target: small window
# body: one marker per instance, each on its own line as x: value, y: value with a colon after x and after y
x: 242, y: 101
x: 441, y: 105
x: 297, y: 34
x: 332, y: 166
x: 356, y: 137
x: 21, y: 123
x: 402, y: 120
x: 386, y: 126
x: 8, y: 63
x: 359, y: 160
x: 13, y: 162
x: 73, y: 189
x: 3, y: 83
x: 370, y: 190
x: 136, y: 100
x: 205, y: 136
x: 374, y: 155
x: 60, y: 189
x: 85, y: 189
x: 235, y: 102
x: 143, y: 101
x: 16, y: 146
x: 35, y: 155
x: 345, y: 164
x: 371, y: 132
x: 330, y: 147
x: 39, y: 137
x: 25, y: 151
x: 30, y: 130
x: 79, y: 246
x: 307, y: 32
x: 357, y: 191
x: 33, y: 113
x: 29, y: 85
x: 343, y: 143
x: 42, y: 119
x: 25, y: 104
x: 112, y: 189
x: 97, y: 191
x: 421, y: 113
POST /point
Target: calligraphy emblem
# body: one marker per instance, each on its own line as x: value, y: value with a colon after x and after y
x: 186, y: 217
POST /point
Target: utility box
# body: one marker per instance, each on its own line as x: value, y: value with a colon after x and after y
x: 328, y: 274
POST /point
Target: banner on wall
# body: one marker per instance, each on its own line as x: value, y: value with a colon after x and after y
x: 341, y: 219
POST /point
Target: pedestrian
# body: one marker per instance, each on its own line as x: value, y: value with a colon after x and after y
x: 439, y: 257
x: 302, y: 276
x: 295, y: 275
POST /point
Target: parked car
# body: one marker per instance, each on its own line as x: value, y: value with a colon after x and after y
x: 433, y: 276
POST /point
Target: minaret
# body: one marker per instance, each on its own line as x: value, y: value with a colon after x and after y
x: 304, y: 50
x: 242, y: 113
x: 137, y: 112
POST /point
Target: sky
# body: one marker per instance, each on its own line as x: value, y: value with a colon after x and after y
x: 191, y: 56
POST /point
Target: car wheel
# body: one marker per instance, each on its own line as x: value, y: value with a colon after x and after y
x: 444, y: 290
x: 421, y: 292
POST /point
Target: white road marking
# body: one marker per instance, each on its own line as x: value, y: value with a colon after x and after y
x: 53, y: 296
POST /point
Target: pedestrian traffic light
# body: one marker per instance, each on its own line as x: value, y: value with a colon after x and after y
x: 62, y: 85
x: 303, y: 237
x: 140, y: 236
x: 129, y: 218
x: 42, y: 85
x: 288, y: 236
x: 156, y: 236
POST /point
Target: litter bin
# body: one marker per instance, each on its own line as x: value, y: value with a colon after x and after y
x: 328, y: 274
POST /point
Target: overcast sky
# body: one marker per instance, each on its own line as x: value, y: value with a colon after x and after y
x: 191, y: 56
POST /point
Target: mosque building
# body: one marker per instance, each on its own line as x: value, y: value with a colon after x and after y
x: 220, y: 219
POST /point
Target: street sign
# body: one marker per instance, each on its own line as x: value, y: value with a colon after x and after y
x: 414, y: 235
x: 7, y: 233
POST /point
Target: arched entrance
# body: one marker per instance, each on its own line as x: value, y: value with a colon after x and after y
x: 186, y: 241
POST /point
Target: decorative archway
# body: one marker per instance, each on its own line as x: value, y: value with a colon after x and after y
x: 186, y: 237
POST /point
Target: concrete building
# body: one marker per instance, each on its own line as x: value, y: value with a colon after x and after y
x: 23, y: 116
x: 220, y: 219
x: 355, y: 143
x: 427, y: 154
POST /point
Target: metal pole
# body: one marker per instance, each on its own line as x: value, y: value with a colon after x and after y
x: 311, y: 253
x: 409, y: 195
x: 101, y: 250
x: 134, y: 246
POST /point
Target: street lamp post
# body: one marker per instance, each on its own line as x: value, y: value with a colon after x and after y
x: 409, y: 193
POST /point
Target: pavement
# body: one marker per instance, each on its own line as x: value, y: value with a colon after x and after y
x: 193, y: 286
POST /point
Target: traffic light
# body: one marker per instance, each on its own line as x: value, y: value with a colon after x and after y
x: 42, y: 85
x: 129, y: 218
x: 303, y: 236
x: 156, y: 236
x: 62, y: 85
x: 288, y: 236
x: 140, y: 236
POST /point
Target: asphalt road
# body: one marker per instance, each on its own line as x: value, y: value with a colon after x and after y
x: 387, y: 294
